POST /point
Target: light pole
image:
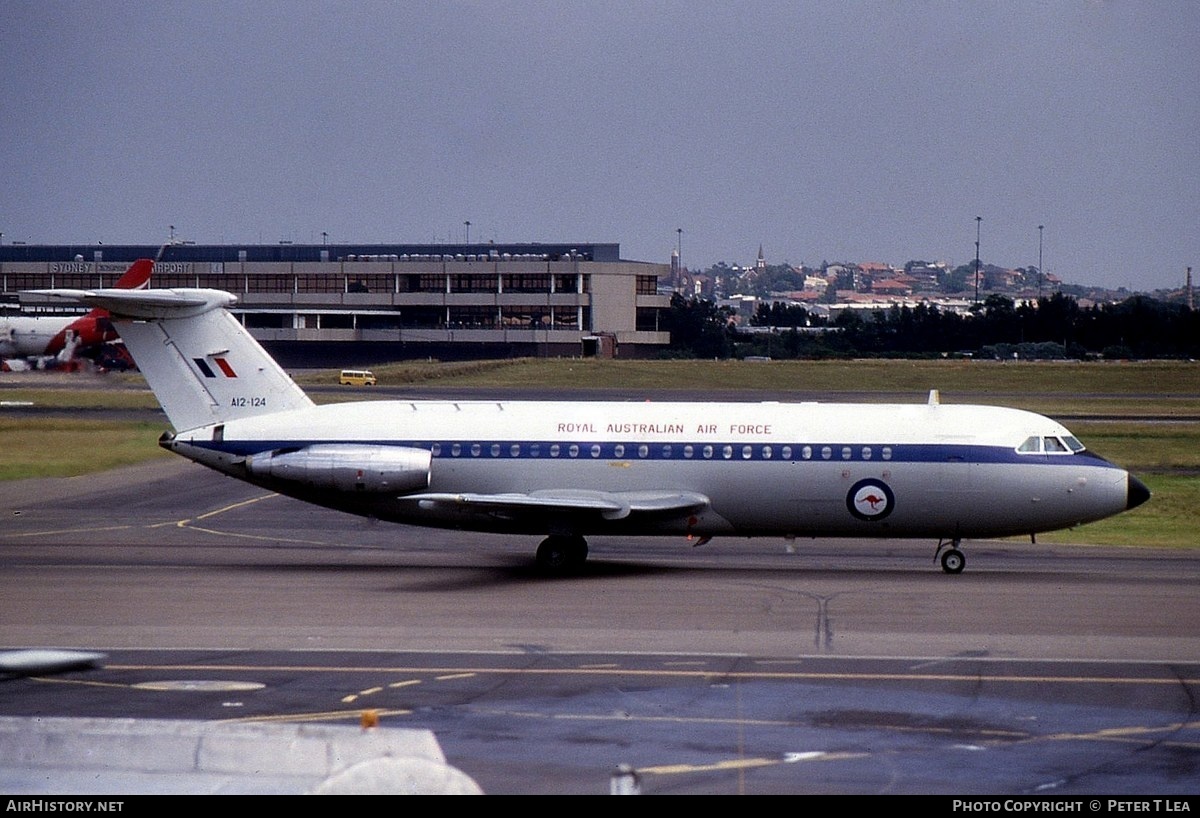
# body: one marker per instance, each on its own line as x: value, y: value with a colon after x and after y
x: 679, y: 250
x: 978, y: 221
x: 468, y: 224
x: 324, y: 237
x: 1040, y: 228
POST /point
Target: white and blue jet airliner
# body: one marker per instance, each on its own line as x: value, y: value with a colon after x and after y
x: 564, y: 470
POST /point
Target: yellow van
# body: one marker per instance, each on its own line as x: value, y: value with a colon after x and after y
x: 356, y: 377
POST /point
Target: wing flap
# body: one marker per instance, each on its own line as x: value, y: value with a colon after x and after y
x: 607, y: 504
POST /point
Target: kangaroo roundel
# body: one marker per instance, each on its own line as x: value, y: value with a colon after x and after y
x: 870, y: 500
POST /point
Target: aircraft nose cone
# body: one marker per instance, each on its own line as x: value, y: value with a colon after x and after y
x: 1136, y: 494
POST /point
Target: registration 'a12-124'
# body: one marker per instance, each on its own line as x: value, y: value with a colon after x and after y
x: 244, y: 401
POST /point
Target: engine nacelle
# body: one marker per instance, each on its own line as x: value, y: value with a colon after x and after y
x: 347, y: 467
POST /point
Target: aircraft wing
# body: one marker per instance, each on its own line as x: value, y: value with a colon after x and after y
x: 607, y: 504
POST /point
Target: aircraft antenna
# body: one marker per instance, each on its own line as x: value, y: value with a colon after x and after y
x: 935, y: 397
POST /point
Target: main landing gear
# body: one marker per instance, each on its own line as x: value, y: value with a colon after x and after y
x: 953, y: 560
x: 562, y: 553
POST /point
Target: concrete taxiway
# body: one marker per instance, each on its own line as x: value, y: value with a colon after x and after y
x: 736, y: 667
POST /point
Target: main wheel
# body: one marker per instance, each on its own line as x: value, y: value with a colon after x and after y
x: 953, y: 561
x: 558, y: 554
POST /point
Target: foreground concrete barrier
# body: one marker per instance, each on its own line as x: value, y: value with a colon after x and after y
x: 140, y: 756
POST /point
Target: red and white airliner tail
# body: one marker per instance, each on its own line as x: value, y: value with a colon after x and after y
x: 28, y: 336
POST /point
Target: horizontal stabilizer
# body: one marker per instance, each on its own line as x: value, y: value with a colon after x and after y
x: 147, y: 303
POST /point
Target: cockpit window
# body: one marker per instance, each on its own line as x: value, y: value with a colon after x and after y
x: 1050, y: 444
x: 1055, y: 446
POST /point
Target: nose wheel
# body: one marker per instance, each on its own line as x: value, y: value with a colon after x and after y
x: 953, y: 561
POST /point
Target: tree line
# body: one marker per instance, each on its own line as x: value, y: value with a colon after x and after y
x: 1054, y: 327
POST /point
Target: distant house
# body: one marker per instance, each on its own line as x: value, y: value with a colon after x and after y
x: 890, y: 286
x: 874, y: 268
x: 818, y: 283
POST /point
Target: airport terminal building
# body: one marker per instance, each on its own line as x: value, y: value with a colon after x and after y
x: 331, y: 305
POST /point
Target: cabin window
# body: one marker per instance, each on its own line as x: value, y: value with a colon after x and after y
x: 826, y: 452
x: 866, y: 453
x: 619, y: 450
x: 573, y: 451
x: 666, y: 451
x: 887, y: 452
x: 766, y: 452
x: 475, y: 450
x: 643, y: 450
x: 554, y: 450
x: 747, y: 452
x: 786, y: 452
x: 596, y: 450
x: 708, y: 452
x: 846, y: 453
x: 727, y: 452
x: 436, y: 449
x: 535, y: 450
x: 456, y: 449
x: 515, y: 450
x: 806, y: 452
x: 688, y: 451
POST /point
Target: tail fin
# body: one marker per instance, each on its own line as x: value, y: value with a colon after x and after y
x: 137, y: 277
x: 202, y: 364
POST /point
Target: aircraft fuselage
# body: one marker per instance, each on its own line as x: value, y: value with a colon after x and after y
x: 803, y: 469
x: 26, y: 336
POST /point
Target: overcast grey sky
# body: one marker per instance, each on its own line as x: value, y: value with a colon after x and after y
x: 840, y: 130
